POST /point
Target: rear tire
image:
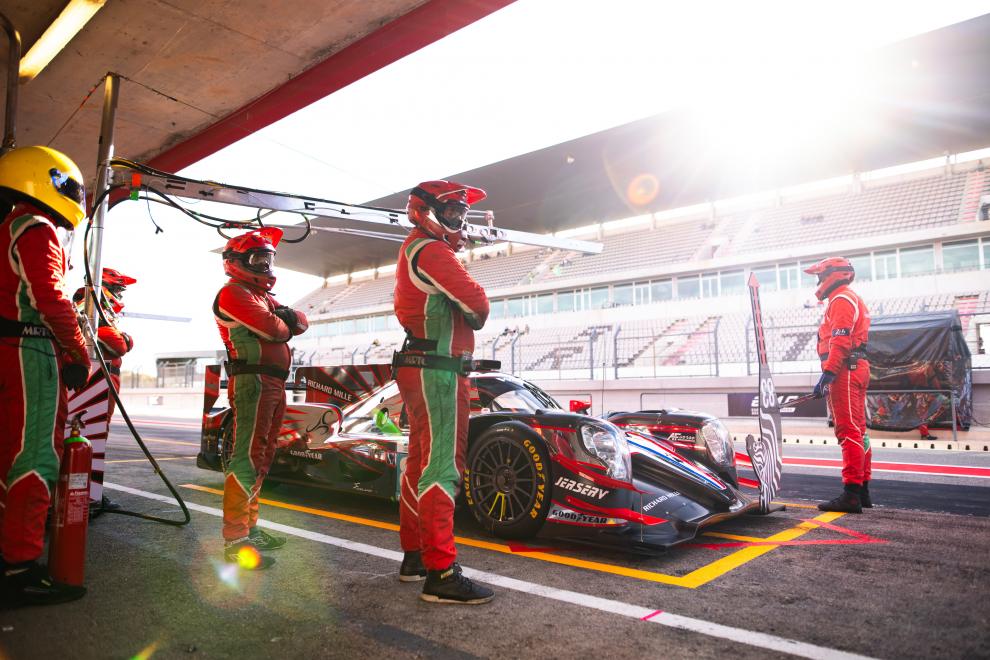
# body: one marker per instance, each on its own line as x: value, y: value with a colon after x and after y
x: 507, y: 481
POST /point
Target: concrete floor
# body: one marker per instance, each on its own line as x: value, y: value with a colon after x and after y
x: 904, y: 580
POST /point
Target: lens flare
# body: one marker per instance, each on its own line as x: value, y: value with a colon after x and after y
x: 146, y: 652
x: 248, y: 558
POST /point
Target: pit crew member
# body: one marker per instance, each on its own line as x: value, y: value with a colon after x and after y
x: 255, y: 330
x: 845, y: 377
x: 440, y: 306
x: 42, y: 353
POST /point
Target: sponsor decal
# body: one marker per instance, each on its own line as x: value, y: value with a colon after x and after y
x: 323, y: 425
x: 663, y: 498
x: 567, y: 516
x: 840, y: 332
x: 306, y: 453
x: 335, y: 392
x: 748, y: 405
x: 541, y: 487
x: 581, y: 488
x: 681, y: 438
x: 363, y: 489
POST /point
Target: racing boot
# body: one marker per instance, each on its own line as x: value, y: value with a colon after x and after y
x: 262, y: 540
x: 450, y: 586
x: 864, y: 495
x: 847, y: 502
x: 29, y: 584
x: 246, y: 555
x: 412, y: 569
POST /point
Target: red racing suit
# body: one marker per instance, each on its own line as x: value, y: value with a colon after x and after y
x: 33, y: 400
x: 438, y: 301
x: 114, y: 344
x: 254, y: 336
x: 843, y: 332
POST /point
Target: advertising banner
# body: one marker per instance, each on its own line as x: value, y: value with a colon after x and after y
x: 745, y: 404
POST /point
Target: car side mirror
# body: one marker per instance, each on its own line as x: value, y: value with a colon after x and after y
x: 580, y: 407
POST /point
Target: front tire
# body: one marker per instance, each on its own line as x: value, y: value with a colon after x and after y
x: 507, y: 481
x: 225, y: 446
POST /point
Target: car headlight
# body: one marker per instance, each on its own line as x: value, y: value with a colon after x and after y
x: 608, y: 445
x: 718, y: 442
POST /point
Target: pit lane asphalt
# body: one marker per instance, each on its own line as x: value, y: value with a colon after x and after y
x: 912, y: 584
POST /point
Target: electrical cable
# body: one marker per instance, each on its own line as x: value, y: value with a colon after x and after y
x: 113, y: 392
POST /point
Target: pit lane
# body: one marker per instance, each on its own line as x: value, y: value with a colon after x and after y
x: 899, y: 581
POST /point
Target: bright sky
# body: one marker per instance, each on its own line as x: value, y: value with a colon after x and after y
x: 534, y: 74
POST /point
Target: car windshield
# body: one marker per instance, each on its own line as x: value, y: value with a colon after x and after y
x: 511, y: 394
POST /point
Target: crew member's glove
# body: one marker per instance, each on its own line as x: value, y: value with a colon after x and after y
x: 288, y: 315
x: 74, y: 376
x: 821, y: 388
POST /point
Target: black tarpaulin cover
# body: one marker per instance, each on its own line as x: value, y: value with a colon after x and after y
x: 923, y: 351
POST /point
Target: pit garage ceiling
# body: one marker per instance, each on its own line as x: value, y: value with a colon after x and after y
x: 220, y: 69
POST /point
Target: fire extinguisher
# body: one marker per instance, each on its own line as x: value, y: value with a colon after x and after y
x: 67, y: 547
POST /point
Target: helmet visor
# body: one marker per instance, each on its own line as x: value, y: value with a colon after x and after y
x: 68, y: 187
x: 453, y: 214
x: 260, y: 261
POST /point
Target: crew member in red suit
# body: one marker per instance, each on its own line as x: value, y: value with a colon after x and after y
x: 42, y: 353
x: 255, y: 329
x: 845, y: 377
x: 114, y: 343
x: 440, y: 306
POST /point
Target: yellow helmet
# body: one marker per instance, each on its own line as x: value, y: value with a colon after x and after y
x: 48, y: 177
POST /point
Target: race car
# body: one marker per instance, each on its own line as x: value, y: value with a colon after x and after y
x: 532, y: 468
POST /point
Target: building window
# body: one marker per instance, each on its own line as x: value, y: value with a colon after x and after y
x: 544, y: 303
x: 732, y: 283
x: 709, y: 286
x: 917, y: 261
x: 885, y: 265
x: 516, y: 307
x: 599, y: 297
x: 688, y: 287
x: 565, y: 301
x: 767, y: 277
x: 662, y: 290
x: 860, y: 264
x: 642, y: 293
x: 622, y: 295
x: 789, y: 279
x: 961, y: 255
x: 497, y: 309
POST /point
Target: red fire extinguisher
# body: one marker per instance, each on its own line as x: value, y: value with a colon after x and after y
x: 67, y: 547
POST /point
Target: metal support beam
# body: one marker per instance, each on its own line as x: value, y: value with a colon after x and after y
x: 103, y: 174
x: 480, y: 228
x: 13, y: 71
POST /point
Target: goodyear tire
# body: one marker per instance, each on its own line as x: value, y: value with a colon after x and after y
x: 507, y: 481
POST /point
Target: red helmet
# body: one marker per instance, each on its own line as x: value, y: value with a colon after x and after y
x: 440, y: 209
x: 832, y: 272
x: 114, y: 283
x: 249, y: 258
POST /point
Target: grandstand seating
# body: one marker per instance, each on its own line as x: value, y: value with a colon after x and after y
x: 895, y: 207
x: 660, y: 342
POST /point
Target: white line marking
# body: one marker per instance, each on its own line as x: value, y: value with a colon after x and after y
x: 749, y: 637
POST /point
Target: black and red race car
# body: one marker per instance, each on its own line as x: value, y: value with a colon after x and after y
x: 640, y: 482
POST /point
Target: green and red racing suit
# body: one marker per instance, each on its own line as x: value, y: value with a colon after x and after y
x: 256, y: 341
x: 38, y: 334
x: 440, y: 305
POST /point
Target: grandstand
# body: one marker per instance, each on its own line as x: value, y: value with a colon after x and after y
x: 667, y: 295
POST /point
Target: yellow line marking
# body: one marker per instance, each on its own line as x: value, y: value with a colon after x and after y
x: 692, y: 580
x: 144, y: 460
x: 799, y: 506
